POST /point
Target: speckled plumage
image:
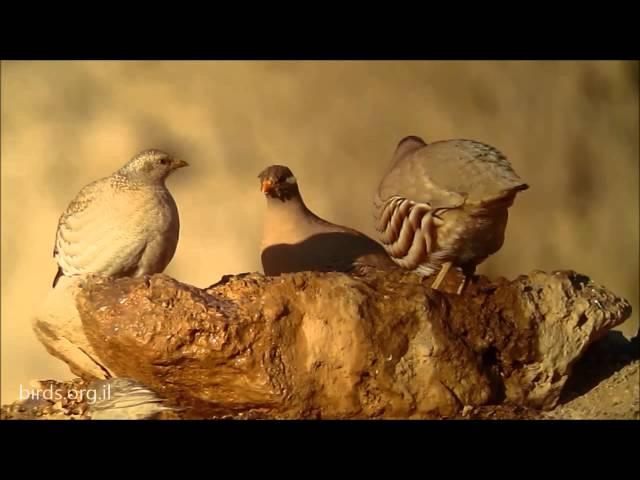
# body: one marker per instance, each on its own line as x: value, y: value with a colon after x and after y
x: 444, y: 204
x: 126, y: 224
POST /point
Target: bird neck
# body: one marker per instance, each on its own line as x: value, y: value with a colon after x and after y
x: 137, y: 181
x: 291, y: 207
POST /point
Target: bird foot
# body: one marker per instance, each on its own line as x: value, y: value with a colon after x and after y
x: 448, y: 277
x: 441, y: 275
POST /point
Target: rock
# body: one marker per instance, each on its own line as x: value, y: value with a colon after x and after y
x: 569, y: 312
x: 604, y: 383
x: 593, y: 400
x: 332, y: 345
x: 59, y: 329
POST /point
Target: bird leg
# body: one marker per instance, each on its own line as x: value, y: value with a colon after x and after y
x: 467, y: 273
x: 441, y: 274
x: 463, y: 284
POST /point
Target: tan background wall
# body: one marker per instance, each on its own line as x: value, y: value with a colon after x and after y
x: 570, y: 128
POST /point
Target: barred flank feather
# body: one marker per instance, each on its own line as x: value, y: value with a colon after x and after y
x: 408, y: 232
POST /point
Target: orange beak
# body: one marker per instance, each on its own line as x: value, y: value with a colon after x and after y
x: 267, y: 185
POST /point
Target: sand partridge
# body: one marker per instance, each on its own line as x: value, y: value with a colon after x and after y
x: 444, y: 204
x: 295, y: 239
x: 124, y: 399
x: 123, y: 225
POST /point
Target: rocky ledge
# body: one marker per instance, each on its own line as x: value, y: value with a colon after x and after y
x: 376, y: 344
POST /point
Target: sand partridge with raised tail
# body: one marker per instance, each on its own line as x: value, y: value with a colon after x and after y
x: 444, y: 204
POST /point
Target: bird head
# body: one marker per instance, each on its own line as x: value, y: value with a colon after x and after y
x: 412, y: 140
x: 151, y: 166
x: 277, y: 181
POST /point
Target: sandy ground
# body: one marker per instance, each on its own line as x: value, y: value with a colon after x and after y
x: 605, y: 384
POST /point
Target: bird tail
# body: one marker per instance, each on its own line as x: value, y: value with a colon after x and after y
x: 504, y: 199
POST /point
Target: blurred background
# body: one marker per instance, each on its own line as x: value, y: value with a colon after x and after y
x: 570, y: 129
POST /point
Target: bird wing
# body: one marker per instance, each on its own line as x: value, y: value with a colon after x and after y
x: 449, y: 173
x: 92, y: 235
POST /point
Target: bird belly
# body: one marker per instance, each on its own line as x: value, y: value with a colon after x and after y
x: 161, y: 239
x: 140, y: 238
x: 468, y: 239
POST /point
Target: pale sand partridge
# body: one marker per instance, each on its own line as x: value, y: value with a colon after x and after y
x: 123, y: 399
x: 126, y: 224
x: 444, y: 204
x: 294, y: 239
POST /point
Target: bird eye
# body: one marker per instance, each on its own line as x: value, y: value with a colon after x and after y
x: 164, y: 161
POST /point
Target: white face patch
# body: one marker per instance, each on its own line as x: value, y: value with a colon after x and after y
x: 291, y: 180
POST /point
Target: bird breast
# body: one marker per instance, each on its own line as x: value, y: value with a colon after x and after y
x: 288, y: 223
x: 128, y: 232
x: 151, y: 212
